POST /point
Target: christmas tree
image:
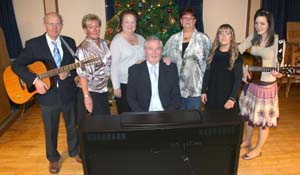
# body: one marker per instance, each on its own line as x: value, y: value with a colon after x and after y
x: 156, y: 17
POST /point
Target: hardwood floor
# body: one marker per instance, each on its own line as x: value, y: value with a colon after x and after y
x: 281, y: 153
x: 22, y: 148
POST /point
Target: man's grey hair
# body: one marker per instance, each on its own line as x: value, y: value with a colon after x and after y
x: 152, y: 38
x: 52, y: 14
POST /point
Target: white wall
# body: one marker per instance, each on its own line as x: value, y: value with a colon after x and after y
x: 217, y: 12
x: 50, y: 5
x: 29, y: 14
x: 255, y: 4
x: 73, y: 11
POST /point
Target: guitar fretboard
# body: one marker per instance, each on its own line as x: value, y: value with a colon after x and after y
x: 56, y: 71
x: 85, y: 62
x: 263, y: 69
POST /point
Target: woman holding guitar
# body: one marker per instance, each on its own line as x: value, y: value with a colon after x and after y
x: 259, y: 102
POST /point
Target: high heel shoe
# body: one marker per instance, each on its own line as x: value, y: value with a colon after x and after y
x: 246, y: 157
x: 246, y: 146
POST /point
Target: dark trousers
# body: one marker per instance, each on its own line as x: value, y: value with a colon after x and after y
x: 100, y: 105
x: 122, y: 105
x: 50, y: 116
x: 190, y: 103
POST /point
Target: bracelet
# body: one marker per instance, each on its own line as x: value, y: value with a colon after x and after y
x: 86, y: 95
x: 233, y: 99
x: 34, y: 81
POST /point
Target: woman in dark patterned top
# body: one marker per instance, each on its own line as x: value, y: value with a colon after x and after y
x: 189, y: 49
x: 223, y: 76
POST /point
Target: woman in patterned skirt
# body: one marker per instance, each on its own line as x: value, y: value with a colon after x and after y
x: 259, y: 102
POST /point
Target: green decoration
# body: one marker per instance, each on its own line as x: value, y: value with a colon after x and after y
x: 156, y: 17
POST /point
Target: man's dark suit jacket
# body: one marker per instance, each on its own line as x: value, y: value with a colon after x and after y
x: 139, y: 87
x: 37, y: 49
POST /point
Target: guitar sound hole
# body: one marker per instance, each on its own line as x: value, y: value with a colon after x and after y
x: 256, y: 75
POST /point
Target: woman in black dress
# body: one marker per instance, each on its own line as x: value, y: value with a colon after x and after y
x: 223, y: 76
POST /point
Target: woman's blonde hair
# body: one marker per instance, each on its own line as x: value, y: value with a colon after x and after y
x: 233, y: 50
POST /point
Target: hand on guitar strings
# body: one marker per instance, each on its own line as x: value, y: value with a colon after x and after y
x: 41, y: 86
x: 246, y: 74
x: 63, y: 75
x: 276, y: 74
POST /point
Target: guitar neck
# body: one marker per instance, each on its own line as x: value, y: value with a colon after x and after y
x: 56, y: 71
x: 262, y: 69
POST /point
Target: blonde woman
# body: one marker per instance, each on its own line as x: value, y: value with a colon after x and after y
x: 223, y: 76
x: 93, y: 96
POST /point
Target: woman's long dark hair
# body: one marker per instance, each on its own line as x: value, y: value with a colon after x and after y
x: 256, y: 40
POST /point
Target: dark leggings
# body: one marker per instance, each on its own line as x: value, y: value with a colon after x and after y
x: 122, y: 105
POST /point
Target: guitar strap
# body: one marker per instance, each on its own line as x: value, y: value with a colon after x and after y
x: 69, y: 48
x: 280, y: 50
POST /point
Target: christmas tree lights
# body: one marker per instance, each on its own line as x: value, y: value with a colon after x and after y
x: 156, y: 17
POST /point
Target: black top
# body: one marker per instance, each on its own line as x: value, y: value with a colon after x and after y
x: 184, y: 46
x: 220, y: 83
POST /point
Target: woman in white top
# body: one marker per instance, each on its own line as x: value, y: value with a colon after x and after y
x: 127, y: 49
x: 259, y: 102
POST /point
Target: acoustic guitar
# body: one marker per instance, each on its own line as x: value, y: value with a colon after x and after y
x: 17, y: 89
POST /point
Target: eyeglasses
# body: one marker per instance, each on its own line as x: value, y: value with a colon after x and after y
x: 54, y: 24
x: 93, y: 27
x: 188, y: 18
x: 129, y: 22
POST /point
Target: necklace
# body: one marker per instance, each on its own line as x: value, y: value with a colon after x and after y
x: 187, y: 37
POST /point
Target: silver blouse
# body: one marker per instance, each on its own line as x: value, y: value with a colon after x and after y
x: 97, y: 75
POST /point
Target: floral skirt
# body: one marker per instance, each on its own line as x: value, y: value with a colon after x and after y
x: 259, y: 105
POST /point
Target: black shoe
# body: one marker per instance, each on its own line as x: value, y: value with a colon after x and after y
x: 54, y: 167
